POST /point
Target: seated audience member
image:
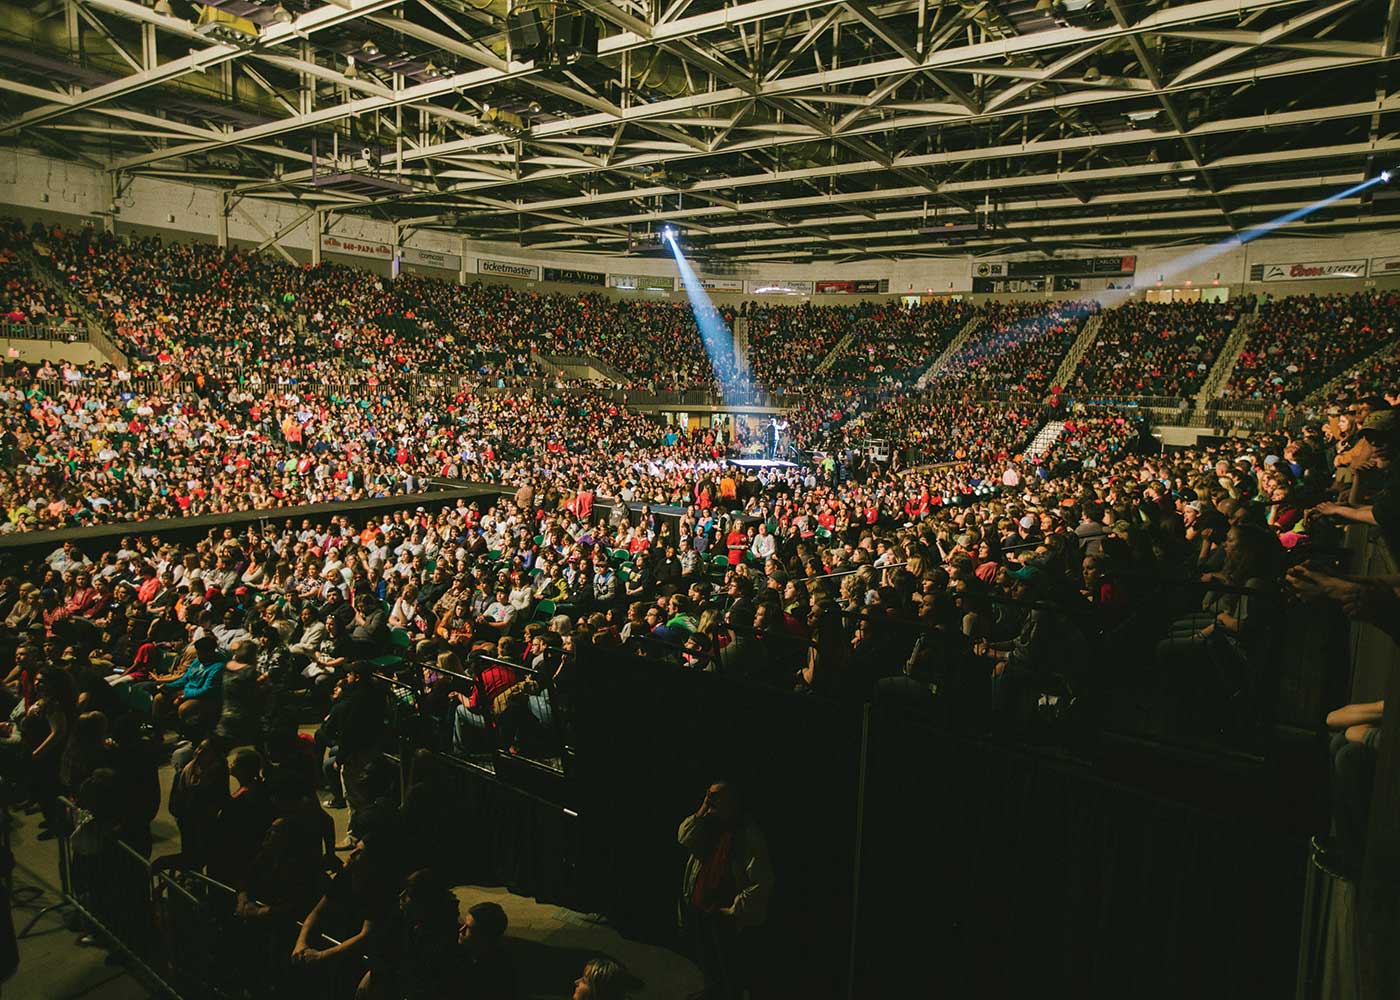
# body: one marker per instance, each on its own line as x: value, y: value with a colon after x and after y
x: 486, y: 969
x: 603, y: 979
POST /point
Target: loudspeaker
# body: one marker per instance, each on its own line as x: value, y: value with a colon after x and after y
x: 575, y: 37
x: 527, y: 41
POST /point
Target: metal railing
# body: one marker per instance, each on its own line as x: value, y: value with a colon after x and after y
x: 1242, y: 405
x: 179, y: 930
x: 529, y: 727
x: 56, y: 333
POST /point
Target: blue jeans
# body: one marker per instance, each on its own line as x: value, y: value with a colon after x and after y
x: 468, y: 729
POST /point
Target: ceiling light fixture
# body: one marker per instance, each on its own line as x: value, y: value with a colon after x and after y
x: 163, y: 7
x: 350, y: 69
x: 1092, y: 74
x: 1143, y: 116
x: 369, y: 49
x: 281, y: 15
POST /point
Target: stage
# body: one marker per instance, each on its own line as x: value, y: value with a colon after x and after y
x: 762, y: 463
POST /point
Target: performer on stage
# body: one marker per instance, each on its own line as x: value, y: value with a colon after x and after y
x: 775, y: 443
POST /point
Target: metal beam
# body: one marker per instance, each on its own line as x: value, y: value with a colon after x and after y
x: 769, y: 139
x: 1175, y: 236
x: 276, y: 237
x: 686, y: 27
x: 978, y: 187
x: 1217, y: 59
x: 196, y: 62
x: 883, y: 31
x: 261, y: 231
x: 1019, y: 150
x: 909, y: 193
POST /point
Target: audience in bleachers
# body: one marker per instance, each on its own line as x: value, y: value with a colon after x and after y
x: 1018, y: 347
x: 1155, y: 348
x: 1095, y: 438
x: 961, y: 577
x: 1302, y: 341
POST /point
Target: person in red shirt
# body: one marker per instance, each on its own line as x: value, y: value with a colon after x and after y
x: 85, y: 597
x: 736, y: 542
x: 150, y: 585
x: 471, y: 716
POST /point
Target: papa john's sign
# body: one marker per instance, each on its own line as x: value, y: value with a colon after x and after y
x: 1313, y: 270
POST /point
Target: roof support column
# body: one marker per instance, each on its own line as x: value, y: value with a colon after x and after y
x: 318, y: 226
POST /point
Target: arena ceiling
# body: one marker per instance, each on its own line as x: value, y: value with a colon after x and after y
x: 767, y: 129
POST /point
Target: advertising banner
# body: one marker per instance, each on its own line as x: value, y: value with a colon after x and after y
x: 641, y: 282
x: 1311, y: 270
x: 989, y: 268
x: 355, y: 248
x: 431, y: 258
x: 1382, y: 266
x: 1077, y: 267
x: 869, y: 286
x: 778, y: 286
x: 507, y: 269
x: 573, y: 276
x: 1001, y: 286
x: 722, y: 284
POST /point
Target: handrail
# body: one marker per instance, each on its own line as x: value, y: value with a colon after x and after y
x: 53, y: 332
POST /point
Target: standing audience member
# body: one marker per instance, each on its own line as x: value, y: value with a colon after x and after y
x: 725, y: 891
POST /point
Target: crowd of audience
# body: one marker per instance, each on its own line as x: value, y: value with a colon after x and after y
x: 1095, y: 438
x: 962, y: 577
x: 1302, y: 341
x: 888, y: 343
x: 23, y: 297
x: 1156, y: 348
x: 1374, y: 376
x: 1018, y: 347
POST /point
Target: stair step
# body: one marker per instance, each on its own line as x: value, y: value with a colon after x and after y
x: 1044, y: 438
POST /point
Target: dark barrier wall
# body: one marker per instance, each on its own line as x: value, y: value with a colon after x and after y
x: 30, y: 544
x: 984, y: 870
x: 990, y: 872
x: 649, y: 741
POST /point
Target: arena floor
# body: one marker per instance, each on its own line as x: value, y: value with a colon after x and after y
x: 550, y: 943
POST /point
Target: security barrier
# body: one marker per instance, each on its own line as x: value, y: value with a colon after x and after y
x: 179, y: 931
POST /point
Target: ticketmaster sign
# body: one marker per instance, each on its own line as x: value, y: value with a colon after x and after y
x: 508, y: 269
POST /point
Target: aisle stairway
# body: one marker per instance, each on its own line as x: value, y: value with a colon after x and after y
x: 1088, y: 333
x: 1322, y: 392
x: 1044, y: 438
x: 969, y: 328
x: 584, y: 366
x: 97, y: 336
x: 841, y: 346
x: 1224, y: 365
